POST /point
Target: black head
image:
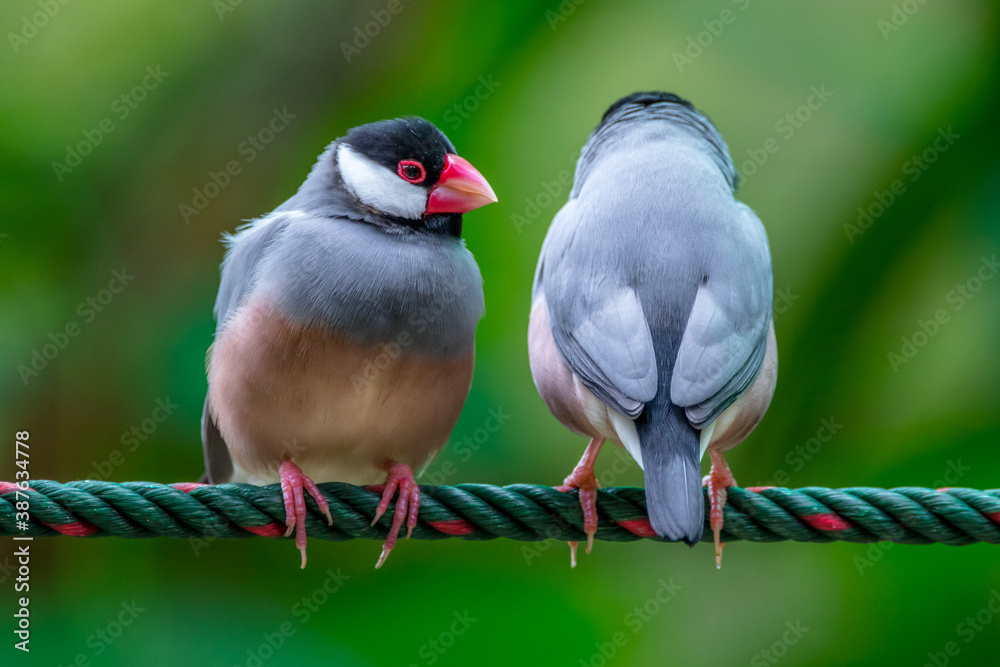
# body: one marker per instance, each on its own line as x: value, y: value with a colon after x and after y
x: 411, y: 146
x: 645, y: 99
x: 406, y: 170
x: 637, y: 103
x: 661, y: 106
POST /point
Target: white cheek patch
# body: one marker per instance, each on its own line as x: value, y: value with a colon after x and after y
x: 380, y: 187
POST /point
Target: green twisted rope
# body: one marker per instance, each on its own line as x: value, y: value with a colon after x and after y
x: 906, y: 515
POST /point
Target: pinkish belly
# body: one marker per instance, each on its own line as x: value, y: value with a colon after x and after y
x: 340, y: 410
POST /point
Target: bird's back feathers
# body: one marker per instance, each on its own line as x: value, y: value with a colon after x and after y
x: 658, y: 285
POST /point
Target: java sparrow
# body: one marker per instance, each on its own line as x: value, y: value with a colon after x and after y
x: 650, y: 321
x: 346, y: 324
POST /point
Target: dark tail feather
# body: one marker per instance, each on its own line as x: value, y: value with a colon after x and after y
x: 674, y: 498
x: 218, y: 465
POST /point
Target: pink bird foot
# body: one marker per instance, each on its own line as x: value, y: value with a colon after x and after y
x: 584, y: 479
x: 400, y: 476
x: 717, y: 480
x: 293, y: 481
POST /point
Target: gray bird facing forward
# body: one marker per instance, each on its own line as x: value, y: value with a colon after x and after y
x: 651, y: 310
x: 346, y: 324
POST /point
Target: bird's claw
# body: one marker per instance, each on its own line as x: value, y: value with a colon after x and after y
x: 717, y: 481
x: 400, y: 477
x: 585, y: 480
x: 294, y: 484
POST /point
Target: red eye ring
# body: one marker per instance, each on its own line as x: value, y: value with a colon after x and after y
x: 406, y: 166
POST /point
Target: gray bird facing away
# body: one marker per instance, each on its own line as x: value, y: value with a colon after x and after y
x: 651, y: 310
x: 346, y: 324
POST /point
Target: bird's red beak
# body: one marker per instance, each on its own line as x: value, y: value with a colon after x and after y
x: 460, y: 189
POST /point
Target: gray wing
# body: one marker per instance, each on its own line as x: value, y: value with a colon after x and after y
x: 597, y: 322
x: 238, y: 269
x: 726, y: 335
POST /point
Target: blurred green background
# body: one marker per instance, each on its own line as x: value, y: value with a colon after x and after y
x: 902, y: 128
